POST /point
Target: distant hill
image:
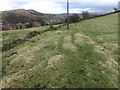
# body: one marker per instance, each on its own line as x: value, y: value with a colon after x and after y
x: 22, y: 15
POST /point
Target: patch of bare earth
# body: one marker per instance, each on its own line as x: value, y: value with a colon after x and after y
x: 54, y: 60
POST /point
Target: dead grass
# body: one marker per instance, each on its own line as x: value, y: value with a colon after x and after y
x: 29, y: 59
x: 8, y: 79
x: 67, y: 39
x: 78, y: 38
x: 26, y: 53
x: 54, y: 60
x: 69, y: 46
x: 111, y: 46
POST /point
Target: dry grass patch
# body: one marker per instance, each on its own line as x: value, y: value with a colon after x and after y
x: 69, y: 46
x: 22, y: 49
x: 101, y: 50
x: 58, y: 32
x: 8, y: 79
x: 78, y: 38
x: 35, y: 67
x: 54, y: 60
x: 81, y: 38
x: 1, y: 39
x: 110, y: 46
x: 111, y: 64
x: 26, y: 54
x: 29, y: 59
x: 88, y: 40
x: 101, y: 38
x: 67, y: 39
x: 6, y: 38
x: 106, y: 49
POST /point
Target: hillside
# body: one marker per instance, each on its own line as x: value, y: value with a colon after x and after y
x: 22, y: 15
x: 83, y: 57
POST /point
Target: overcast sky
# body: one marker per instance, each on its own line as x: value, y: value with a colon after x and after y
x: 59, y: 6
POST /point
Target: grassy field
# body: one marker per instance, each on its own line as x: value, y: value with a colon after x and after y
x: 83, y: 57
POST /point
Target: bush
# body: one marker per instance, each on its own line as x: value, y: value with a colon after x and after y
x: 85, y: 15
x: 74, y: 18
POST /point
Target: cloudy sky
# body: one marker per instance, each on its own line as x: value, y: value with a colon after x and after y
x: 59, y: 6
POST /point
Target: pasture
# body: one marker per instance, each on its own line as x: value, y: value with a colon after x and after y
x: 85, y: 56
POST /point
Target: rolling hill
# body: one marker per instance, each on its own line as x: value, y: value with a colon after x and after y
x: 85, y: 56
x: 22, y: 15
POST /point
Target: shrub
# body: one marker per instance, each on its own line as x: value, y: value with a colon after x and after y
x: 74, y: 18
x: 85, y: 15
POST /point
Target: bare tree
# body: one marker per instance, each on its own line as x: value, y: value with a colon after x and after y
x: 74, y: 18
x: 115, y: 9
x: 85, y: 15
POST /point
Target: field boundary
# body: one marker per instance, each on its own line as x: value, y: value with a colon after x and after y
x: 30, y: 35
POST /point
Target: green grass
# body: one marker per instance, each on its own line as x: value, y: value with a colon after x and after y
x: 83, y: 57
x: 15, y: 34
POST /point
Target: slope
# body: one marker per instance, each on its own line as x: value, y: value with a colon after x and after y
x: 84, y: 56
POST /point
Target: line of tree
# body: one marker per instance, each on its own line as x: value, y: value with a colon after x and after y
x: 84, y: 15
x: 87, y: 15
